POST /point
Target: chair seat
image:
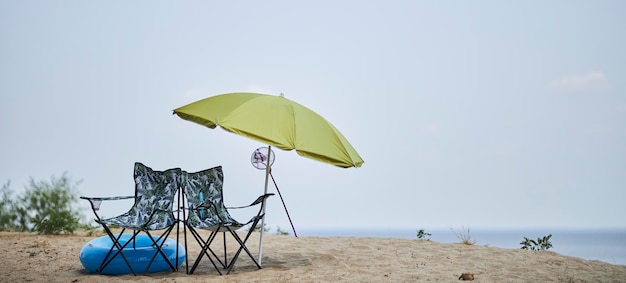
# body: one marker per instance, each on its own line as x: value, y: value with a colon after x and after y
x: 217, y: 227
x: 137, y: 222
x: 212, y: 222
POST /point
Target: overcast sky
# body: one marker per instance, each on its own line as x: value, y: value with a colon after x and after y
x: 482, y: 114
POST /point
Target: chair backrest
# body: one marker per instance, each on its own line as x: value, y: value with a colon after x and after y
x: 155, y: 191
x: 206, y: 186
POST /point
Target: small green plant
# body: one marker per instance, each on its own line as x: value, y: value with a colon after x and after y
x: 257, y: 228
x: 540, y: 244
x: 281, y: 232
x: 464, y: 236
x: 421, y: 235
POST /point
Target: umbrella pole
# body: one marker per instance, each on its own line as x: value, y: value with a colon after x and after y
x: 267, y: 174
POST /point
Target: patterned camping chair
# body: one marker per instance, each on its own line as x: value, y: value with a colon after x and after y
x: 152, y: 211
x: 205, y: 203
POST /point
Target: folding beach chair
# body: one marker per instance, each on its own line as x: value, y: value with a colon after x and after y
x: 205, y: 202
x: 152, y: 211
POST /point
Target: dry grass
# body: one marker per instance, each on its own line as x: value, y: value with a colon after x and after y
x: 464, y: 236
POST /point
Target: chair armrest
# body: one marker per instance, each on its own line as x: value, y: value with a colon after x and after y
x: 260, y: 199
x: 96, y: 201
x: 209, y: 204
x: 107, y: 198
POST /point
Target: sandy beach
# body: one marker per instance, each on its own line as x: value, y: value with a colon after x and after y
x: 29, y: 257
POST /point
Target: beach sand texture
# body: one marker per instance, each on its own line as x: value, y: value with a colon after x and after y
x: 29, y: 257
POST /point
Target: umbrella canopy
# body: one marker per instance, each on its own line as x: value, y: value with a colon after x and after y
x: 276, y: 121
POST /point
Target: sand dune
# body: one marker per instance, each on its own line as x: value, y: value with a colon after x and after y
x: 28, y: 257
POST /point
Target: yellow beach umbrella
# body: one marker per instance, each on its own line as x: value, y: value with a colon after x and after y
x: 276, y: 121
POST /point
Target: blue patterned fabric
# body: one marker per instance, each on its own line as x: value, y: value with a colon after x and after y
x: 154, y: 199
x: 203, y: 191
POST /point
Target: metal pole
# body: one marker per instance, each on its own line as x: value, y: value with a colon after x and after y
x: 267, y: 174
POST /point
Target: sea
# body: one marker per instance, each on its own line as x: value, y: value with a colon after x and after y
x: 607, y: 245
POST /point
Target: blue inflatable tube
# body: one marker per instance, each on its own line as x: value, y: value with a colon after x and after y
x: 94, y: 252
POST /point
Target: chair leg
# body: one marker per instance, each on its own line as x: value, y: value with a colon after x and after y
x: 203, y: 243
x: 236, y: 256
x: 186, y: 249
x: 205, y: 251
x: 159, y: 248
x: 242, y: 246
x: 115, y: 244
x: 178, y: 193
x: 225, y: 254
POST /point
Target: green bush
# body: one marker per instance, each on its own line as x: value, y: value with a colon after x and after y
x: 7, y: 208
x: 539, y: 245
x: 257, y: 228
x: 281, y: 231
x: 45, y: 207
x: 421, y: 235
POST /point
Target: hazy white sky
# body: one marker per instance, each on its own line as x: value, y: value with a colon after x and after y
x: 467, y: 113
